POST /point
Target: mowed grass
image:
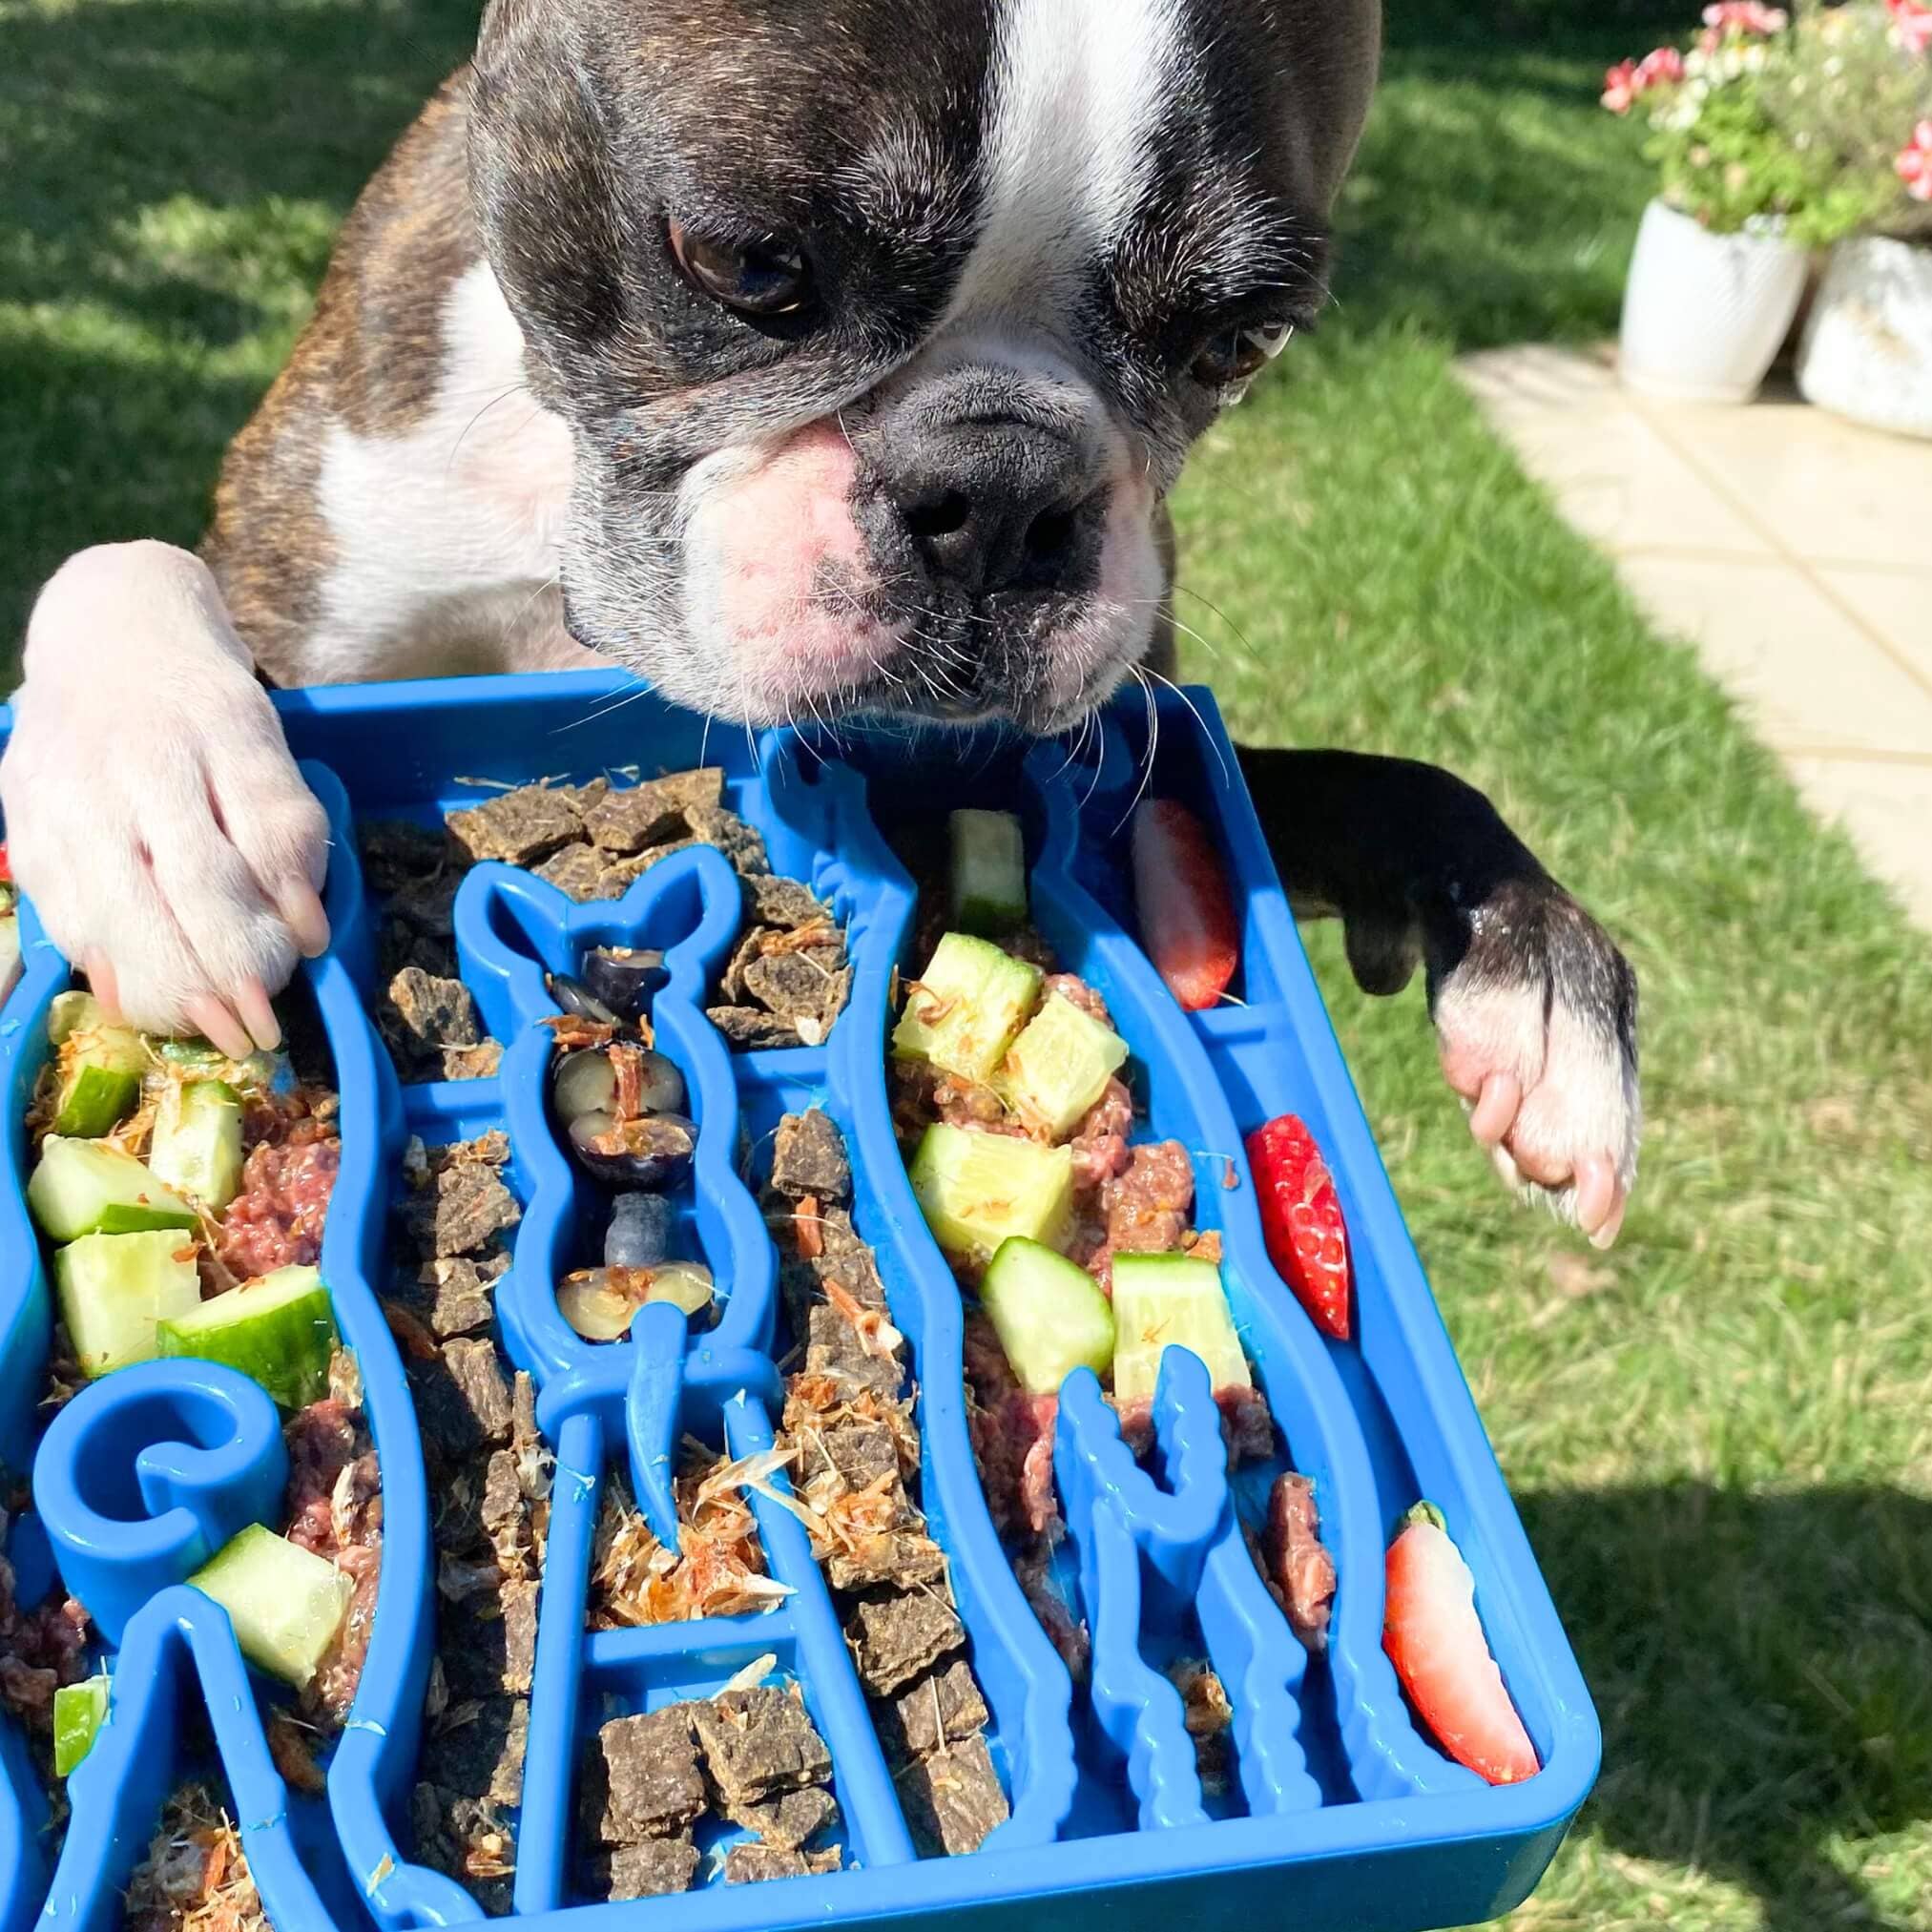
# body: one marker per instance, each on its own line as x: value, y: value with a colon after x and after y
x: 1720, y: 1436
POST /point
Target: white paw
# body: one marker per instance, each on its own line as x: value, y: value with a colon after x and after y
x: 1537, y: 1032
x: 154, y: 813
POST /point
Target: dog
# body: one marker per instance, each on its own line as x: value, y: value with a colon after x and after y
x: 827, y: 356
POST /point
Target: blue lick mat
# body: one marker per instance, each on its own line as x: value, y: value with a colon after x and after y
x: 1341, y: 1813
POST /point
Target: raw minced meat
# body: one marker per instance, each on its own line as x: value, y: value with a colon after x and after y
x: 41, y: 1649
x: 277, y: 1220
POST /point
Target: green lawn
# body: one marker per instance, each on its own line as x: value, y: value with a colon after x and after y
x: 1720, y: 1435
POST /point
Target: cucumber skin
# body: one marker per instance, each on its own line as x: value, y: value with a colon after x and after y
x: 240, y: 1575
x: 989, y: 872
x: 78, y: 1711
x: 96, y: 1190
x: 1022, y: 1280
x: 83, y: 1285
x: 285, y: 1348
x: 98, y: 1099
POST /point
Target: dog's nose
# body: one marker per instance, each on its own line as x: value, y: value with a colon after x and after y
x: 996, y: 505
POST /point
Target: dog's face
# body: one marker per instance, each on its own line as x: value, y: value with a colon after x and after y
x: 882, y: 327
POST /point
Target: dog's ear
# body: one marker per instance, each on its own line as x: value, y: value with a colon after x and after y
x: 1332, y: 52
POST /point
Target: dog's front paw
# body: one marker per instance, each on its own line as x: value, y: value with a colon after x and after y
x: 154, y: 813
x: 1537, y: 1025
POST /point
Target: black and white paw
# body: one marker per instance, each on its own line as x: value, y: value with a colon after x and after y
x: 1536, y: 1022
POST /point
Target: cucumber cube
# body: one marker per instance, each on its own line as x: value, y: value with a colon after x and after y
x: 278, y: 1329
x: 1060, y: 1066
x: 1049, y: 1313
x: 1163, y: 1301
x: 78, y: 1710
x: 966, y: 1010
x: 196, y: 1145
x: 116, y: 1288
x: 989, y: 871
x: 285, y: 1602
x: 82, y: 1187
x: 978, y: 1190
x: 99, y: 1066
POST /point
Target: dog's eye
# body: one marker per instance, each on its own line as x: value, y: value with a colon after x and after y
x: 761, y: 278
x: 1232, y: 359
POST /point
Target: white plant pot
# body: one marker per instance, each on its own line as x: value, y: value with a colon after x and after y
x: 1704, y: 314
x: 1867, y: 347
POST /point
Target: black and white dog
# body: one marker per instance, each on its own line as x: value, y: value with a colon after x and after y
x: 823, y: 356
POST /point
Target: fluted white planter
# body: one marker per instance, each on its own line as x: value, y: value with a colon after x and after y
x: 1867, y: 347
x: 1704, y: 314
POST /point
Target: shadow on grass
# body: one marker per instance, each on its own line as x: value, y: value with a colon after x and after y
x: 1763, y: 1669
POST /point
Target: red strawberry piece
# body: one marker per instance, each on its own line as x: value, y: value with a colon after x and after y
x: 1187, y: 917
x: 1302, y: 1219
x: 6, y: 866
x: 1435, y: 1640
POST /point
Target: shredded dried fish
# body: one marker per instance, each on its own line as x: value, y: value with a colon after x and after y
x: 195, y: 1876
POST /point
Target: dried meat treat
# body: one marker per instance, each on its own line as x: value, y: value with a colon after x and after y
x: 518, y: 827
x: 575, y: 870
x: 398, y: 852
x: 421, y: 1014
x: 642, y: 1778
x: 953, y: 1798
x: 758, y: 1742
x: 464, y: 1206
x: 943, y: 1707
x: 897, y: 1637
x: 652, y: 1870
x: 462, y: 1400
x: 812, y: 983
x: 901, y: 1558
x: 753, y: 1030
x: 808, y: 1157
x: 587, y: 796
x: 750, y: 947
x: 783, y: 902
x: 790, y: 1821
x: 456, y: 1297
x: 632, y: 817
x: 834, y: 1344
x: 195, y: 1873
x: 739, y: 842
x: 747, y: 1864
x: 1209, y: 1717
x: 1297, y: 1566
x: 863, y: 1453
x: 477, y: 1749
x: 492, y: 1655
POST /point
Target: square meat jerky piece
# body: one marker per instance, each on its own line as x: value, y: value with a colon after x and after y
x: 477, y: 1750
x: 576, y: 871
x: 519, y: 827
x: 783, y: 902
x: 632, y: 817
x: 398, y: 851
x: 901, y: 1559
x: 810, y: 984
x: 642, y: 1778
x: 751, y: 1031
x: 739, y: 842
x: 463, y: 1206
x: 468, y: 1841
x: 748, y: 1864
x: 587, y: 796
x: 420, y: 1015
x: 897, y: 1637
x: 750, y: 948
x: 944, y: 1706
x: 760, y: 1742
x: 490, y: 1656
x: 456, y: 1293
x: 462, y: 1400
x: 790, y: 1821
x: 808, y: 1157
x: 861, y: 1452
x: 832, y: 1343
x: 953, y: 1799
x: 652, y: 1870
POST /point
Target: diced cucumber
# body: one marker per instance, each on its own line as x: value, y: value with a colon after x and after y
x: 285, y: 1602
x: 978, y: 1190
x: 967, y: 1007
x: 1049, y: 1313
x: 100, y: 1067
x: 197, y: 1144
x: 1060, y: 1066
x: 78, y: 1710
x: 989, y: 871
x: 82, y: 1187
x: 116, y: 1289
x: 278, y: 1329
x: 1163, y: 1301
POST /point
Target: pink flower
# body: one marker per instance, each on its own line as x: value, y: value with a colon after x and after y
x: 1911, y: 24
x: 1747, y: 16
x: 1660, y: 68
x: 1620, y: 87
x: 1915, y: 163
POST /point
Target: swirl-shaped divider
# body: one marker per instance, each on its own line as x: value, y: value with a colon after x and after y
x: 1387, y: 1758
x: 1025, y: 1680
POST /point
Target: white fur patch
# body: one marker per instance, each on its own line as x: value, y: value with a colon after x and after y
x: 445, y: 536
x: 1077, y: 88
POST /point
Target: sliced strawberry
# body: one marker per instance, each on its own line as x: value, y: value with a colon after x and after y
x: 5, y: 866
x: 1302, y: 1218
x: 1435, y: 1640
x: 1187, y: 918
